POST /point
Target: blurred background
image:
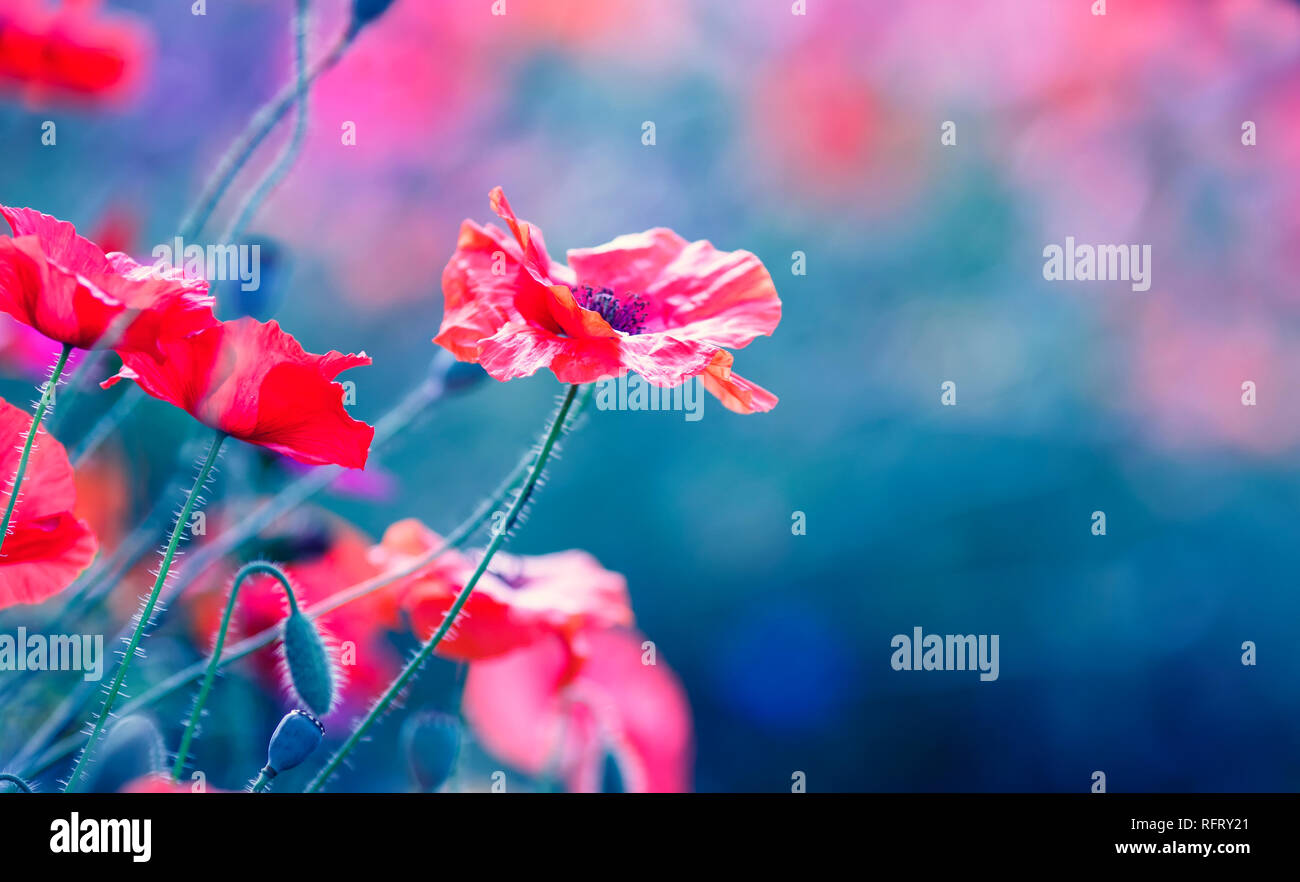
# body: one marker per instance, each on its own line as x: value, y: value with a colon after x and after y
x: 778, y: 132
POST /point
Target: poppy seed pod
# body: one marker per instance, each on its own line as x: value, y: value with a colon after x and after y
x: 298, y: 734
x: 432, y: 742
x: 310, y: 671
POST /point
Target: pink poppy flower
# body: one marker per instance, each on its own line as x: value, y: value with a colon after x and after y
x: 67, y: 288
x: 532, y: 711
x: 47, y: 546
x: 648, y: 302
x: 255, y: 382
x: 517, y: 602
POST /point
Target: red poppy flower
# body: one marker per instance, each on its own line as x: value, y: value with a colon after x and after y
x: 67, y: 48
x: 67, y: 288
x: 255, y: 382
x: 518, y: 601
x: 47, y: 546
x: 527, y: 709
x: 648, y: 302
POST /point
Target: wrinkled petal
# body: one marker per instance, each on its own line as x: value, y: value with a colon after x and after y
x: 67, y: 288
x: 697, y: 292
x: 255, y: 382
x: 735, y: 392
x: 47, y: 545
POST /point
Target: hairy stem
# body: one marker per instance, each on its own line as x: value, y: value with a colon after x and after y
x: 498, y: 539
x: 94, y: 585
x: 41, y: 406
x: 249, y: 645
x: 146, y: 614
x: 16, y: 781
x: 192, y: 726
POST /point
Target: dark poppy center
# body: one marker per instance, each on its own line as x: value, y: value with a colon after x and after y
x: 626, y: 313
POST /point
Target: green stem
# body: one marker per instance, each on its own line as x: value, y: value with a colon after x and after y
x: 498, y: 539
x: 191, y: 728
x: 261, y: 125
x: 41, y: 406
x: 146, y: 614
x: 248, y: 646
x: 263, y: 778
x: 92, y: 586
x: 16, y: 781
x: 290, y: 154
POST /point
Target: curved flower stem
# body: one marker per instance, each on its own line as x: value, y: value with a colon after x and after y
x: 94, y: 585
x: 146, y: 614
x: 16, y: 781
x: 41, y: 406
x: 262, y: 124
x: 191, y: 728
x: 249, y: 645
x: 290, y: 154
x: 498, y: 539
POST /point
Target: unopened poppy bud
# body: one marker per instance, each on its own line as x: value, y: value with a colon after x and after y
x: 132, y: 748
x: 432, y: 743
x: 310, y: 671
x: 298, y: 734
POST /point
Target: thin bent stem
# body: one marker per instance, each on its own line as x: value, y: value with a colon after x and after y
x: 146, y: 614
x: 41, y: 406
x: 498, y: 539
x: 16, y: 781
x: 94, y: 588
x: 290, y: 154
x: 192, y: 727
x: 261, y: 125
x: 248, y: 646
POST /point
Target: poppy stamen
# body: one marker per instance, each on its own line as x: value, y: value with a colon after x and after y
x: 626, y: 314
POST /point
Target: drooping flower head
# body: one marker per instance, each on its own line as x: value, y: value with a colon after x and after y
x: 647, y: 302
x: 47, y: 546
x: 519, y: 601
x: 255, y: 382
x: 66, y: 287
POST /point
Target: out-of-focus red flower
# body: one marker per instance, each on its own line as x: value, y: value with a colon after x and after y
x: 517, y: 602
x: 157, y: 782
x: 47, y: 545
x: 647, y: 302
x: 67, y: 288
x: 68, y: 49
x: 336, y: 559
x: 254, y: 382
x: 528, y: 709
